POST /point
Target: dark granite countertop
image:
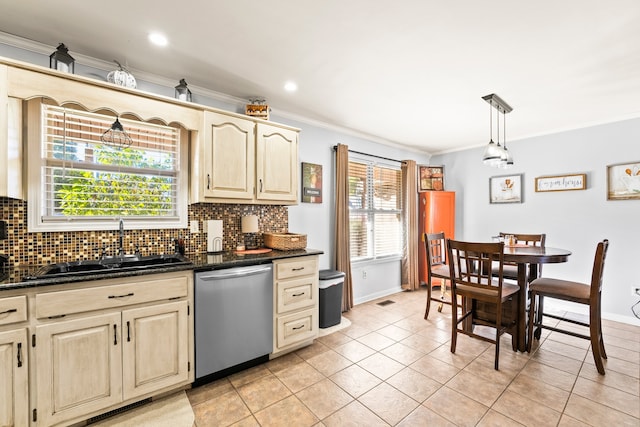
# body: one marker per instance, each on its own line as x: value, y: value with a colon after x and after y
x: 17, y: 277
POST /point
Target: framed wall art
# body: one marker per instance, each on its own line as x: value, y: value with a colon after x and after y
x: 561, y: 182
x: 311, y: 183
x: 430, y: 178
x: 505, y: 189
x: 623, y: 181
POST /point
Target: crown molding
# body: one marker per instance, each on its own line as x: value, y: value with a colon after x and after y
x: 45, y: 49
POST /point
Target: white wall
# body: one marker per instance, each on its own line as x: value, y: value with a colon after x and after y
x: 574, y: 220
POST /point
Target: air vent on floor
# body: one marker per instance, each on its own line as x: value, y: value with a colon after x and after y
x: 386, y: 302
x: 117, y: 411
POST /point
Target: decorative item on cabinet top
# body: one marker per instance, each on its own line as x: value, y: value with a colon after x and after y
x: 431, y: 178
x: 257, y: 107
x: 122, y: 77
x: 61, y: 60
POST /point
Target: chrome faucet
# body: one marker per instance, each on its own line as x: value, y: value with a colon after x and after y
x: 121, y: 248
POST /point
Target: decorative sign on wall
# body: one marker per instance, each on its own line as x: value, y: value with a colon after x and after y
x: 561, y: 182
x: 311, y: 183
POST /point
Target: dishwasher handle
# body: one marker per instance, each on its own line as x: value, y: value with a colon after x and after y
x: 233, y: 272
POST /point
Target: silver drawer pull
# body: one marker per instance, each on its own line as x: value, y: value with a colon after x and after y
x: 297, y: 269
x: 299, y: 327
x: 11, y: 310
x: 299, y: 295
x: 130, y: 294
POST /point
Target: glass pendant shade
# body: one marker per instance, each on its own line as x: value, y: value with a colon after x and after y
x: 491, y: 154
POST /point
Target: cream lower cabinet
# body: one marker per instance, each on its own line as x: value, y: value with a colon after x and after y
x: 135, y: 343
x: 241, y: 160
x: 295, y: 303
x: 78, y: 367
x: 14, y: 397
x: 14, y: 362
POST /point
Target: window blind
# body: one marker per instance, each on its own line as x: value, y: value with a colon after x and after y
x: 82, y: 177
x: 375, y: 210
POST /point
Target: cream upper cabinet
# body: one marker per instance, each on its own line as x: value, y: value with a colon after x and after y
x: 243, y: 160
x: 10, y: 141
x: 276, y: 163
x: 229, y: 152
x: 14, y: 396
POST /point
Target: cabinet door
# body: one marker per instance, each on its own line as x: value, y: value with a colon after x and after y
x: 276, y: 164
x: 78, y: 367
x: 14, y: 396
x: 156, y: 348
x: 229, y: 150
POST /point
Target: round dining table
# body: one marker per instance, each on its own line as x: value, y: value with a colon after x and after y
x: 525, y: 255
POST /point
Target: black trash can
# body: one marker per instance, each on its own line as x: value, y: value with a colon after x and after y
x: 331, y: 283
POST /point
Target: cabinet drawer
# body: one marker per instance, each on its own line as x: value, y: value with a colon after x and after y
x: 82, y: 300
x: 295, y: 294
x: 298, y: 268
x: 297, y: 327
x: 13, y: 309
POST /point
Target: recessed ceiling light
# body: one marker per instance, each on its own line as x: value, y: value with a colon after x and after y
x: 290, y: 86
x: 158, y: 39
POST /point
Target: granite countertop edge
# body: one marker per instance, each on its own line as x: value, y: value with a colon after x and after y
x: 15, y: 277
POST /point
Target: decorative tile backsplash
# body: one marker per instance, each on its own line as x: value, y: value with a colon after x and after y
x: 26, y: 248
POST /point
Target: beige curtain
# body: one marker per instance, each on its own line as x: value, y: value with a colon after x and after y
x: 409, y: 275
x: 342, y: 248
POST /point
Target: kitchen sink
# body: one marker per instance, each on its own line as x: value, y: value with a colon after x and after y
x: 109, y: 265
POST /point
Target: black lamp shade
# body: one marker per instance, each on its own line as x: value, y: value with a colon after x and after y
x: 182, y: 91
x: 61, y: 60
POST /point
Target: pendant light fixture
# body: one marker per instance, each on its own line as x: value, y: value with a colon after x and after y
x: 116, y: 136
x: 495, y: 154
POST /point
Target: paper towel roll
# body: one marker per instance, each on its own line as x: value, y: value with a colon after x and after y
x: 214, y: 235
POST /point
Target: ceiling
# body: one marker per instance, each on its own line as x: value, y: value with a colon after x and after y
x: 407, y: 72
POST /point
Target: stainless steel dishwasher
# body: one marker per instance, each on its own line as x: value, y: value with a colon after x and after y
x: 233, y: 320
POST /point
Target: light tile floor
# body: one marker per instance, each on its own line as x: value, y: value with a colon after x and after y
x: 392, y: 367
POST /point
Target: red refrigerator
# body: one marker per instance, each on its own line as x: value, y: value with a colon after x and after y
x: 436, y: 213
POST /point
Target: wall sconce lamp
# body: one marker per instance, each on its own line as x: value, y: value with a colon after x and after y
x: 182, y: 91
x: 497, y: 155
x: 61, y: 60
x: 249, y: 225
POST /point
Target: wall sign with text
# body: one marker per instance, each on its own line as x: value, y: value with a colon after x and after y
x: 561, y: 182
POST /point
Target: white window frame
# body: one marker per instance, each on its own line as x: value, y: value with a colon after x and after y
x: 37, y: 222
x: 371, y: 212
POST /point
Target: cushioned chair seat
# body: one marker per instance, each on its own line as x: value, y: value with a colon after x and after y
x: 441, y: 271
x: 562, y: 289
x: 508, y: 290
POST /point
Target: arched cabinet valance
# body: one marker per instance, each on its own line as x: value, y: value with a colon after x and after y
x: 94, y: 96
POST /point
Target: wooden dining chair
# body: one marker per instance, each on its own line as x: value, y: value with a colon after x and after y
x: 582, y: 293
x: 437, y: 268
x: 471, y: 279
x: 511, y: 269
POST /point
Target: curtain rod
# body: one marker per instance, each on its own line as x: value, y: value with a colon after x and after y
x: 335, y: 147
